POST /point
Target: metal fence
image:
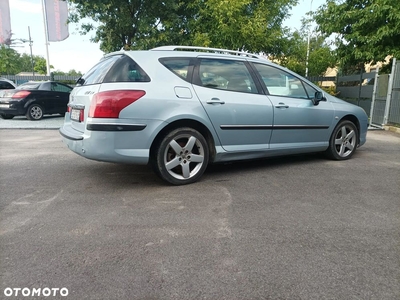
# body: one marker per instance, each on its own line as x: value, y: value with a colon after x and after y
x: 356, y: 89
x: 394, y: 107
x: 378, y: 105
x: 20, y: 79
x: 385, y: 108
x: 378, y: 95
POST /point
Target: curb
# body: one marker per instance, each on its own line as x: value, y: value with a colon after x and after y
x: 392, y: 129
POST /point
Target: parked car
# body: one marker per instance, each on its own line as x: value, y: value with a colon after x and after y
x: 35, y: 99
x: 181, y: 110
x: 6, y: 84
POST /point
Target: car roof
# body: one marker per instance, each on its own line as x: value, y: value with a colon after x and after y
x: 190, y: 51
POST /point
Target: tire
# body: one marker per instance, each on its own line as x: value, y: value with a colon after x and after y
x: 34, y: 112
x: 343, y: 142
x: 181, y: 157
x: 6, y: 116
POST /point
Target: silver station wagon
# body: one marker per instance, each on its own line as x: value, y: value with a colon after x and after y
x: 179, y: 108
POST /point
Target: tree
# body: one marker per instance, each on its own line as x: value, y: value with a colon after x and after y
x: 247, y: 25
x: 294, y: 55
x: 69, y: 73
x: 251, y: 25
x: 9, y: 60
x: 131, y: 24
x: 366, y: 30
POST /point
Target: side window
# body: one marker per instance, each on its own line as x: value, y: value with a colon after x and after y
x: 46, y: 86
x: 99, y: 71
x: 126, y: 69
x: 310, y: 91
x: 281, y: 83
x: 223, y: 74
x: 177, y: 65
x: 60, y: 88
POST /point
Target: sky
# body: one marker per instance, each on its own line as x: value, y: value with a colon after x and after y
x: 77, y: 52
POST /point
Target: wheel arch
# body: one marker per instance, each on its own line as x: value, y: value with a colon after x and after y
x: 200, y: 127
x: 355, y: 121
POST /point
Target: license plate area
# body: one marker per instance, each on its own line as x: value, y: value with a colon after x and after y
x: 76, y: 114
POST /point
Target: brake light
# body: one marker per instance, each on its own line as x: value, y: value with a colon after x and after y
x: 20, y: 94
x: 109, y: 104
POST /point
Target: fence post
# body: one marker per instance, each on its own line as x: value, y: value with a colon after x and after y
x: 374, y: 91
x: 389, y: 93
x: 359, y: 88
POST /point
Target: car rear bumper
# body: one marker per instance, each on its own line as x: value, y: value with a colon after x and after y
x: 126, y: 144
x: 12, y: 109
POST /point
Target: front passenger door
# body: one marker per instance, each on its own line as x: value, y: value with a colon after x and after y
x: 298, y: 123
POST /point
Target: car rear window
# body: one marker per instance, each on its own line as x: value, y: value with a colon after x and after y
x: 178, y: 65
x: 29, y: 86
x: 126, y: 69
x: 99, y: 71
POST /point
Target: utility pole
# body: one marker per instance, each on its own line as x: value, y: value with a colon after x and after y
x: 19, y: 41
x: 30, y: 46
x: 308, y: 43
x: 46, y: 38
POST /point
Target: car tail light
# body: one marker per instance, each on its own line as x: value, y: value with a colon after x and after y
x: 20, y: 94
x: 109, y: 104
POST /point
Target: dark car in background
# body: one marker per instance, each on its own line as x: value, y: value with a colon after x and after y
x: 6, y: 84
x: 35, y: 99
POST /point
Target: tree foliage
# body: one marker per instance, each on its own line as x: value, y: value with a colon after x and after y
x: 9, y: 60
x: 248, y: 25
x: 366, y: 30
x: 294, y: 51
x: 12, y: 63
x: 252, y: 25
x: 132, y: 24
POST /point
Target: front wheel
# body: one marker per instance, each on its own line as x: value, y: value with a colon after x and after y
x: 181, y: 157
x: 343, y: 142
x: 34, y: 112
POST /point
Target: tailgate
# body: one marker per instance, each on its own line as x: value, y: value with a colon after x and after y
x: 79, y: 103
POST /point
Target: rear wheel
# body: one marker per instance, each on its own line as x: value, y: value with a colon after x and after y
x: 181, y: 157
x: 343, y: 142
x: 34, y: 112
x: 6, y: 116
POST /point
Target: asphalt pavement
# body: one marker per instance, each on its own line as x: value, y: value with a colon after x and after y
x: 21, y: 122
x: 300, y: 227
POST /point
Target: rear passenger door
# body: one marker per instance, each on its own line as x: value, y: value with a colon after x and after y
x: 240, y: 114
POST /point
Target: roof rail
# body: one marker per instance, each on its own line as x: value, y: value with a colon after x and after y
x: 214, y: 50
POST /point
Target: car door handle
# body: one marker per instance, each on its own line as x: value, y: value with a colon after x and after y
x: 282, y: 105
x: 215, y: 101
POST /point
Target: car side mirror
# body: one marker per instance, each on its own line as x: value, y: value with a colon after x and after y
x: 318, y: 97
